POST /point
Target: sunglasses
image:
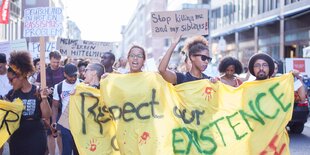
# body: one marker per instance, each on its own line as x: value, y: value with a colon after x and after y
x: 204, y: 57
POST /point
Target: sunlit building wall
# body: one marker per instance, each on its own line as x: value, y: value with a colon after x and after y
x: 276, y: 27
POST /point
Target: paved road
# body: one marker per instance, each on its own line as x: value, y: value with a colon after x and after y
x: 300, y: 143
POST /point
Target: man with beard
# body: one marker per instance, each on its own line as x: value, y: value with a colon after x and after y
x: 61, y: 96
x: 261, y: 65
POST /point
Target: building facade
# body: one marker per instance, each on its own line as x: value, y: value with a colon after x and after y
x: 12, y: 30
x: 138, y: 31
x: 280, y: 28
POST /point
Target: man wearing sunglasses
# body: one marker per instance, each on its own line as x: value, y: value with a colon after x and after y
x: 198, y: 52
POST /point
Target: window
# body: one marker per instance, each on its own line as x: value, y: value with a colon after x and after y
x: 216, y: 18
x: 205, y: 1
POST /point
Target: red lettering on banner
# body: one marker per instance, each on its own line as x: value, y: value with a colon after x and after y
x: 4, y: 12
x: 299, y: 65
x: 273, y: 147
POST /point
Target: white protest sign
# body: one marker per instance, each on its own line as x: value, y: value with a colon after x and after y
x: 83, y: 48
x: 172, y: 23
x: 300, y: 64
x: 18, y: 45
x: 14, y: 45
x: 5, y: 48
x: 43, y: 21
x: 34, y: 49
x: 306, y: 52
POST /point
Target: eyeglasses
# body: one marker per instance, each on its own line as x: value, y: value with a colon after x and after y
x: 137, y: 56
x: 264, y: 65
x: 11, y: 79
x: 204, y: 57
x: 87, y: 69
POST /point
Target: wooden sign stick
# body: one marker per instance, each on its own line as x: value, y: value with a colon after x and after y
x: 42, y: 63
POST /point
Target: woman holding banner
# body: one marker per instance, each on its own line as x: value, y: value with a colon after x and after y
x: 198, y: 53
x: 93, y: 73
x: 30, y: 137
x: 136, y: 58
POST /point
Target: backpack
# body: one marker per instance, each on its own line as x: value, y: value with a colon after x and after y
x: 59, y: 87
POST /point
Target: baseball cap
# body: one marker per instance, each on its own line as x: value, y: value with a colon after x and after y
x: 2, y: 58
x: 71, y: 70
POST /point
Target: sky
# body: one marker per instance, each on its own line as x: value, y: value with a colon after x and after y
x: 101, y: 20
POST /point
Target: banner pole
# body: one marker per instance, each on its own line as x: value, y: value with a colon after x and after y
x: 42, y: 63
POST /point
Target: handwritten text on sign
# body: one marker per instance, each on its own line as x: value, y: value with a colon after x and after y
x: 43, y: 21
x: 34, y: 49
x: 172, y: 23
x: 83, y: 48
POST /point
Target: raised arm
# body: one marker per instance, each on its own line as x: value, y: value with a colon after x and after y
x: 167, y: 74
x: 301, y: 90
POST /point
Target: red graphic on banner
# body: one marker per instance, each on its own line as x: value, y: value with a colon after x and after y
x: 144, y: 137
x: 92, y: 146
x: 299, y: 65
x: 4, y: 12
x: 273, y: 147
x: 208, y: 92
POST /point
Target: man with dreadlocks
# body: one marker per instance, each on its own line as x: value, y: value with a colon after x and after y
x: 29, y: 138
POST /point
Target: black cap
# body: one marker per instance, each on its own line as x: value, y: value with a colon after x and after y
x: 2, y: 58
x: 262, y: 56
x: 71, y: 70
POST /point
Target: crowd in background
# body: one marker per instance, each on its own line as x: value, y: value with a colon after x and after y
x: 20, y: 77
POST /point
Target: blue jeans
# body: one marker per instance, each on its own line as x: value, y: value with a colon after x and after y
x: 68, y: 144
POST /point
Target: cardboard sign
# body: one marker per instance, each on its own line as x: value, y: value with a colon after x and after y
x: 83, y: 48
x: 43, y: 21
x: 173, y: 23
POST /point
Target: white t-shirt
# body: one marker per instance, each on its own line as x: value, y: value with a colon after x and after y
x: 5, y: 85
x: 66, y: 91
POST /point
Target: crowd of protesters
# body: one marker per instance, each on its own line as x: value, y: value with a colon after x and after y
x: 39, y: 132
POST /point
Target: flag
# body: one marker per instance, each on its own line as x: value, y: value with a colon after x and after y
x: 4, y: 12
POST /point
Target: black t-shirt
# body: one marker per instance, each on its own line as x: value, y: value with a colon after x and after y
x: 187, y: 77
x: 30, y: 101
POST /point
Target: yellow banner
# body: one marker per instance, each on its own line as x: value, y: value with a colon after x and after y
x: 90, y: 123
x: 150, y: 116
x: 10, y: 114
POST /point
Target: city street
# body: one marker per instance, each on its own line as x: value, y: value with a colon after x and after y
x: 300, y: 143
